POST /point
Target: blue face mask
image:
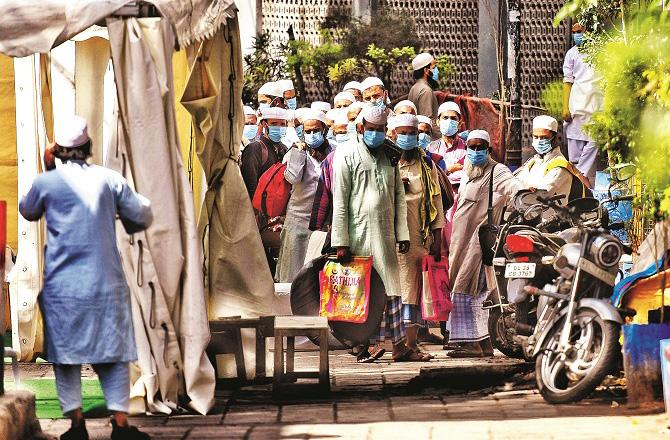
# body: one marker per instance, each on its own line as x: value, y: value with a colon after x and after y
x: 436, y: 73
x: 263, y: 105
x: 424, y: 140
x: 330, y: 135
x: 373, y: 139
x: 314, y: 140
x: 448, y: 127
x: 300, y: 131
x: 250, y: 131
x: 292, y: 103
x: 351, y: 127
x: 276, y: 133
x: 542, y: 146
x: 406, y: 141
x: 578, y: 38
x: 477, y: 158
x: 341, y: 138
x: 380, y: 103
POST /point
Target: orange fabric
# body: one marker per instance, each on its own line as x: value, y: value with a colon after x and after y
x: 646, y: 295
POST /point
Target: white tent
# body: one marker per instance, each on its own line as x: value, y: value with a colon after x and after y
x: 139, y: 135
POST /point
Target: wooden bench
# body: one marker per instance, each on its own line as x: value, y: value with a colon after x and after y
x: 289, y: 327
x: 226, y: 338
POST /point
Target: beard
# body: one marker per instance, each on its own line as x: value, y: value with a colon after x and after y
x: 472, y: 171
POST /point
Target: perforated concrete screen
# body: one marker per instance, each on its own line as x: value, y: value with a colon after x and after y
x: 543, y: 48
x: 445, y: 27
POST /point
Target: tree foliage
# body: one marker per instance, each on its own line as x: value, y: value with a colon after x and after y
x: 630, y: 47
x: 265, y: 63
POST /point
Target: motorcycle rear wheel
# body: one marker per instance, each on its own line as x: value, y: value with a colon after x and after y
x: 556, y: 379
x: 499, y: 335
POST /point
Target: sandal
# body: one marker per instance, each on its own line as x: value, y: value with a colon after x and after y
x: 375, y: 355
x: 423, y: 353
x: 409, y: 355
x: 466, y: 353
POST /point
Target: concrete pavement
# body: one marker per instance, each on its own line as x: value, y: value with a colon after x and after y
x: 387, y: 401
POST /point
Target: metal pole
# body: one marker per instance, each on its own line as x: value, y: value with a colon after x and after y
x: 3, y: 243
x: 513, y: 153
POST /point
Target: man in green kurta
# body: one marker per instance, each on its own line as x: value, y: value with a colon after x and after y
x: 370, y: 217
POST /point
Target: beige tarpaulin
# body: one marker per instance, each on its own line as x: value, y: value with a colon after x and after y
x: 238, y: 280
x: 164, y: 263
x: 29, y: 27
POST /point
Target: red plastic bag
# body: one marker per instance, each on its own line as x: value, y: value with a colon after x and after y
x: 273, y: 191
x: 435, y: 299
x: 345, y: 290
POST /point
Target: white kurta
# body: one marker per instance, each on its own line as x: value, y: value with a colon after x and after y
x: 369, y: 209
x: 586, y: 97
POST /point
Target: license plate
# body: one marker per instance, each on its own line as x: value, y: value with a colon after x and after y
x: 520, y: 270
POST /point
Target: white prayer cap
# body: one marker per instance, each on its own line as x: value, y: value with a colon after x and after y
x: 404, y: 120
x: 424, y: 120
x: 405, y: 103
x: 375, y: 115
x: 274, y: 113
x: 249, y: 111
x: 422, y: 60
x: 311, y: 114
x: 321, y: 105
x: 546, y: 122
x: 271, y: 89
x: 371, y: 81
x: 448, y: 106
x: 344, y: 96
x: 340, y: 117
x: 286, y: 85
x: 353, y: 85
x: 330, y: 114
x: 72, y: 133
x: 479, y: 134
x: 357, y: 105
x: 301, y: 112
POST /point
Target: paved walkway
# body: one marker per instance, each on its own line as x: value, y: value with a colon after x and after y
x: 388, y: 401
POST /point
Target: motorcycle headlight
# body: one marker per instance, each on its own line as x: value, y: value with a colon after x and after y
x: 606, y: 251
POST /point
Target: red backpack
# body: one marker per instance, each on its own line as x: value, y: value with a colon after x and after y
x: 272, y: 192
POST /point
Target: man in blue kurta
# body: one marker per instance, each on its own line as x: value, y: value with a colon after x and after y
x: 85, y: 300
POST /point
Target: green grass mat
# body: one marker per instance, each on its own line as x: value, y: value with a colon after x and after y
x: 47, y: 399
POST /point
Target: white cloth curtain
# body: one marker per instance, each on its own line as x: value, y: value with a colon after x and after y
x: 164, y: 263
x: 34, y: 26
x: 238, y: 281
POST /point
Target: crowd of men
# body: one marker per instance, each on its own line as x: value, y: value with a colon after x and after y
x: 401, y: 183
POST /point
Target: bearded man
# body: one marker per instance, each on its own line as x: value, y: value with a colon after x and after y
x: 469, y: 276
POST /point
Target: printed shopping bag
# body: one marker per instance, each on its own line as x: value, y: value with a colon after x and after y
x: 345, y: 290
x: 435, y: 299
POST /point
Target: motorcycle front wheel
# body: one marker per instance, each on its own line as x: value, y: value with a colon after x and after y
x: 499, y: 324
x: 573, y: 374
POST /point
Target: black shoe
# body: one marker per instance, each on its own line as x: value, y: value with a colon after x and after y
x: 127, y: 433
x: 76, y: 433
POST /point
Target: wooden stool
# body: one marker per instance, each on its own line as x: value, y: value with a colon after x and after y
x: 226, y: 338
x: 289, y: 327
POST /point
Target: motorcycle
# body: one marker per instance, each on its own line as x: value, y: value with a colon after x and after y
x: 509, y: 312
x: 575, y: 342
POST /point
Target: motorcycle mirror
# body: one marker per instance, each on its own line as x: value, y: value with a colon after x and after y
x: 583, y: 205
x: 624, y: 171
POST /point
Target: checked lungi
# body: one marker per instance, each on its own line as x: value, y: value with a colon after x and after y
x: 392, y: 323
